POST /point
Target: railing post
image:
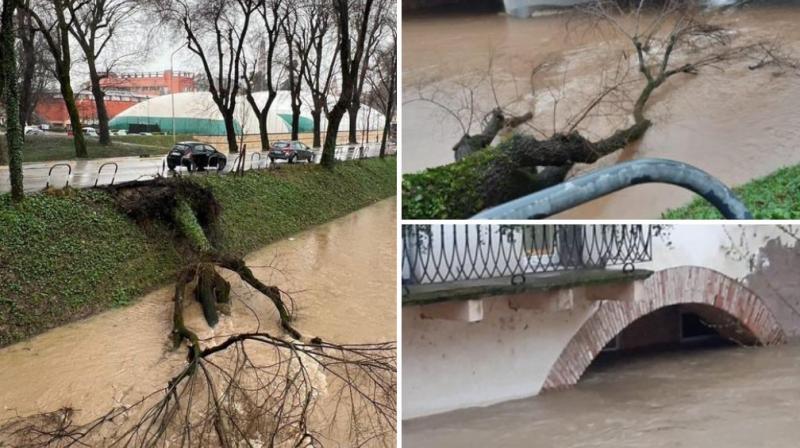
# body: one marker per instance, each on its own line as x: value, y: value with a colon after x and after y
x: 50, y: 173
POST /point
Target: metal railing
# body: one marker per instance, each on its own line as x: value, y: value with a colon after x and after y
x: 454, y: 252
x: 582, y: 189
x: 66, y: 174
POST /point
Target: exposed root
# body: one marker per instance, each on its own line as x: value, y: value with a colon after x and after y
x: 238, y: 266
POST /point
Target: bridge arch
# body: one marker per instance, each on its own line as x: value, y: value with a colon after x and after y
x: 708, y: 289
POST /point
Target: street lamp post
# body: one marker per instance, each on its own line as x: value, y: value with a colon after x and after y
x: 172, y: 93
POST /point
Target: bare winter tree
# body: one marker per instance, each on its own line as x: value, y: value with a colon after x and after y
x: 35, y: 65
x: 51, y: 19
x: 375, y: 34
x: 294, y: 62
x: 351, y: 54
x: 383, y: 82
x: 216, y: 31
x: 667, y: 39
x: 319, y: 54
x: 263, y: 75
x: 93, y: 23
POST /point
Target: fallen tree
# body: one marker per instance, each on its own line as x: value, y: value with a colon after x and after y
x: 251, y: 389
x: 483, y: 175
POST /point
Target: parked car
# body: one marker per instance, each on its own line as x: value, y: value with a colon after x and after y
x: 90, y: 132
x: 291, y: 151
x: 33, y: 130
x: 121, y: 132
x: 195, y: 155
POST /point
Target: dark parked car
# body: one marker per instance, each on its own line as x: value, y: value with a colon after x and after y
x: 291, y: 151
x: 195, y: 155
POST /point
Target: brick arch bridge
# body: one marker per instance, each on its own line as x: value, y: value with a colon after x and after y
x: 707, y: 291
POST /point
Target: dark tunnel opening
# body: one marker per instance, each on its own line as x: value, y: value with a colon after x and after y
x: 686, y: 327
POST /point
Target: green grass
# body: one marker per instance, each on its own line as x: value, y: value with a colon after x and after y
x: 39, y: 148
x: 163, y: 141
x: 775, y: 196
x: 67, y: 255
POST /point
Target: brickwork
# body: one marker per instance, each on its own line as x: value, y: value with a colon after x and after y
x: 681, y: 285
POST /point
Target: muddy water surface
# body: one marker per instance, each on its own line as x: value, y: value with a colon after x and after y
x: 723, y: 397
x: 736, y: 124
x: 341, y: 274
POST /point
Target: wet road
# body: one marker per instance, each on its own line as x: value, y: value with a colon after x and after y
x: 84, y: 173
x: 733, y: 397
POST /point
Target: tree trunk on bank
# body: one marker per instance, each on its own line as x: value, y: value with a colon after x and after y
x: 387, y: 127
x: 262, y: 131
x: 295, y: 121
x: 516, y: 167
x: 262, y: 114
x: 352, y: 113
x: 230, y: 132
x: 14, y: 130
x: 74, y: 116
x: 316, y: 114
x: 100, y: 104
x: 334, y: 120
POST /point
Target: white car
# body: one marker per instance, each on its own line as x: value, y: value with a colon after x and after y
x: 121, y: 132
x: 90, y: 132
x: 33, y: 130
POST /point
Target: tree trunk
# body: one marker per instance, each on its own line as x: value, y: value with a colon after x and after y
x: 230, y: 132
x: 334, y: 120
x: 100, y: 104
x: 387, y: 125
x: 352, y: 112
x: 74, y: 116
x: 14, y: 130
x: 316, y: 114
x: 510, y: 170
x: 295, y: 120
x: 262, y: 131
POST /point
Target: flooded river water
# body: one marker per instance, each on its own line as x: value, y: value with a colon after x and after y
x: 733, y: 397
x: 735, y: 123
x: 341, y: 276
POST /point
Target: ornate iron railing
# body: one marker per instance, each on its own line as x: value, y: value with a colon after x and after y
x: 452, y: 252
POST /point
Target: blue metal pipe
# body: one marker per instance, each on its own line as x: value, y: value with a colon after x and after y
x: 581, y: 189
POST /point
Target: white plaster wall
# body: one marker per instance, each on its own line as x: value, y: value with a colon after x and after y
x: 730, y: 249
x: 449, y: 365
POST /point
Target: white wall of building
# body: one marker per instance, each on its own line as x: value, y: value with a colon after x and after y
x: 449, y: 365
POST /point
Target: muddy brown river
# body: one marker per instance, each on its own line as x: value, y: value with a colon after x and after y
x: 733, y: 397
x: 341, y: 276
x: 735, y: 123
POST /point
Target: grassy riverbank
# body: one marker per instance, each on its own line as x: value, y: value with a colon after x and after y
x: 775, y: 196
x: 67, y: 255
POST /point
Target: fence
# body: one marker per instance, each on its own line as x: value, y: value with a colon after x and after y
x: 93, y: 173
x: 454, y: 252
x: 254, y: 140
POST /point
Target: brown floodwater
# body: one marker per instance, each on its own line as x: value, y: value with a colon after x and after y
x: 735, y: 123
x: 340, y: 274
x: 734, y: 397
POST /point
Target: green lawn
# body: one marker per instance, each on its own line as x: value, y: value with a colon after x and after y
x: 40, y: 148
x: 163, y: 141
x: 68, y: 254
x: 775, y: 196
